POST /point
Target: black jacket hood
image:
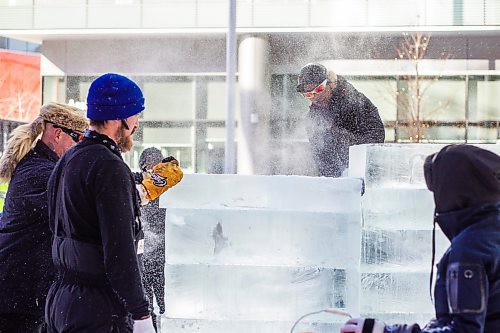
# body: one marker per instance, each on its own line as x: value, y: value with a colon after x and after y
x: 461, y: 176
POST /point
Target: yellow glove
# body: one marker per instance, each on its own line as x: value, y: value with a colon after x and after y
x: 163, y: 176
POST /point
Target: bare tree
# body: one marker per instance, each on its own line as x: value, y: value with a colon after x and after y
x: 409, y: 97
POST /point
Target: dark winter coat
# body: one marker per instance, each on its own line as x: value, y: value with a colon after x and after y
x: 26, y: 269
x: 94, y: 243
x: 466, y: 185
x: 350, y: 119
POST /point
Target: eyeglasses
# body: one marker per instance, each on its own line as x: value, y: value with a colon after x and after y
x: 77, y: 137
x: 311, y: 94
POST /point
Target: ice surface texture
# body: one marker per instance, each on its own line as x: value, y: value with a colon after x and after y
x: 253, y: 253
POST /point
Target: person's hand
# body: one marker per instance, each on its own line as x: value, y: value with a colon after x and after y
x: 144, y: 326
x: 163, y: 176
x: 363, y: 325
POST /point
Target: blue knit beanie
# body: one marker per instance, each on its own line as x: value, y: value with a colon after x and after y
x: 113, y: 97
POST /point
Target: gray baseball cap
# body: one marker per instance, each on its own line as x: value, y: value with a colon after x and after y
x: 311, y: 73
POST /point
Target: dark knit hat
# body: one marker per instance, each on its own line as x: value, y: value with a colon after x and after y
x: 149, y: 158
x: 113, y: 97
x: 311, y: 73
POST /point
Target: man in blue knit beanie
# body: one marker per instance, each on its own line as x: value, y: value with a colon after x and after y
x: 94, y: 202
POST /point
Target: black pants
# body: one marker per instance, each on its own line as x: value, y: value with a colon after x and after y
x: 74, y: 308
x: 154, y: 278
x: 21, y: 323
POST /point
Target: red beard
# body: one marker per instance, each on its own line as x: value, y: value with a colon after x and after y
x: 124, y: 141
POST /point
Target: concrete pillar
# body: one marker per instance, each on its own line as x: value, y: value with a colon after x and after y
x: 255, y: 97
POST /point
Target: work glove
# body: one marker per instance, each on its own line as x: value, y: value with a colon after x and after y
x: 144, y: 326
x: 163, y: 176
x: 363, y: 325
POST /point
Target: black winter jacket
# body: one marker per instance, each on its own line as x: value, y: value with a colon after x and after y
x: 95, y: 237
x: 26, y: 269
x: 350, y: 119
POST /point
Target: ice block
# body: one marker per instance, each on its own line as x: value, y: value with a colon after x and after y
x: 253, y: 253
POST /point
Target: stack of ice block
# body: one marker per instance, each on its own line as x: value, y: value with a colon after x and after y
x: 254, y: 253
x: 396, y: 244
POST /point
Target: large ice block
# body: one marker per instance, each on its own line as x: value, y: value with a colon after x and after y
x: 394, y: 165
x: 252, y: 253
